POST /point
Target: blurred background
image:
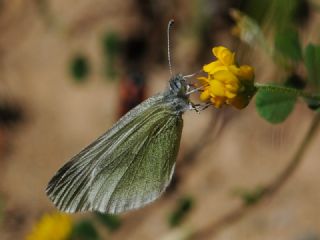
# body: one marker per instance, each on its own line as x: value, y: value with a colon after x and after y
x: 70, y: 69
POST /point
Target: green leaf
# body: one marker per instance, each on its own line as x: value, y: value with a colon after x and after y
x: 79, y: 68
x: 287, y: 43
x: 183, y: 207
x: 112, y: 222
x: 275, y: 106
x: 84, y: 230
x: 312, y: 63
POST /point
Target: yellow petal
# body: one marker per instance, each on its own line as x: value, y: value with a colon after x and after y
x: 232, y: 88
x: 234, y: 69
x: 246, y: 72
x: 204, y: 96
x: 208, y: 68
x: 217, y: 88
x: 230, y: 94
x: 226, y: 76
x: 218, y: 50
x: 217, y: 69
x: 224, y: 55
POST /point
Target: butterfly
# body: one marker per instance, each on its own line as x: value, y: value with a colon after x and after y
x: 132, y: 163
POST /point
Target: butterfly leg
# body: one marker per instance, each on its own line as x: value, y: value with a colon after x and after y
x: 199, y: 107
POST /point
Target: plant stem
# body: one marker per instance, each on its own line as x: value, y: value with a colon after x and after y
x: 288, y: 90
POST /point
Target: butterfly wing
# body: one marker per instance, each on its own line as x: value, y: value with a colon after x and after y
x: 127, y: 167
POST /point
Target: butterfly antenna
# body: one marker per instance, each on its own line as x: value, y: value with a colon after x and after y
x: 170, y: 24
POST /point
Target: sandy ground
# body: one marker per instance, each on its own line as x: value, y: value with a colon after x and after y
x: 63, y: 117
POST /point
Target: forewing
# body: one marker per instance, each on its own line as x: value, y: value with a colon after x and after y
x: 126, y: 168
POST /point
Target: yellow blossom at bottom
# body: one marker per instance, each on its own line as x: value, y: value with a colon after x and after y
x: 55, y: 226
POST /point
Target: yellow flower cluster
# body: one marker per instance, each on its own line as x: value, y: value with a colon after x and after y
x: 54, y: 226
x: 226, y: 82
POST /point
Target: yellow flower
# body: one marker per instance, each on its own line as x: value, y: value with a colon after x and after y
x: 225, y: 58
x: 55, y: 226
x: 227, y: 83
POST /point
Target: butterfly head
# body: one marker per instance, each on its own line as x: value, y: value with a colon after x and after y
x: 178, y: 85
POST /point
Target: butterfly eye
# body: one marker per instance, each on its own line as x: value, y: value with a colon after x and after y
x: 178, y: 84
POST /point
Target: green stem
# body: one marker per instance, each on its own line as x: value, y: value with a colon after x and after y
x: 283, y: 89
